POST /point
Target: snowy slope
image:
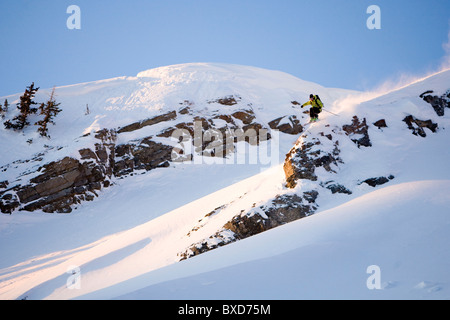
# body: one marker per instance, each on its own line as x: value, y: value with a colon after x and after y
x: 117, y: 102
x: 126, y: 243
x: 400, y: 229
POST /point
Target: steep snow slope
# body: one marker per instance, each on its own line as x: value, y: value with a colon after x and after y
x: 401, y: 229
x: 146, y: 221
x: 139, y: 113
x: 115, y: 103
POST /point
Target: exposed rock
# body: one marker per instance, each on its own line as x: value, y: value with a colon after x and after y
x: 61, y: 184
x: 226, y: 101
x: 218, y: 141
x: 438, y: 103
x: 417, y: 126
x: 144, y: 155
x: 287, y: 124
x: 302, y: 161
x: 8, y: 202
x: 186, y: 107
x: 246, y: 116
x: 148, y: 122
x: 380, y: 124
x: 373, y: 182
x: 335, y: 187
x: 281, y: 210
x: 358, y: 132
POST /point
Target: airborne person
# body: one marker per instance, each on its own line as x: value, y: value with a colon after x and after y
x: 316, y: 107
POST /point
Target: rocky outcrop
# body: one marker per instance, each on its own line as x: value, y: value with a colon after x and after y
x: 358, y: 132
x: 417, y: 126
x: 142, y: 155
x: 8, y: 199
x: 335, y: 187
x: 316, y: 158
x: 280, y: 210
x: 148, y: 122
x: 380, y: 124
x: 303, y: 159
x: 217, y: 136
x: 227, y: 101
x: 373, y: 182
x: 287, y: 124
x: 58, y: 186
x: 438, y: 103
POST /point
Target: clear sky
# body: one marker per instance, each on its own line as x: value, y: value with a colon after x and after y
x: 324, y: 41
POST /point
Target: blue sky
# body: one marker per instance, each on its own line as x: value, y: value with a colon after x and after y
x: 324, y: 41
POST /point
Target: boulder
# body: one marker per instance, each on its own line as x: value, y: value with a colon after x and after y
x: 417, y: 126
x: 438, y: 103
x: 358, y: 132
x: 373, y: 182
x: 380, y: 124
x: 287, y: 124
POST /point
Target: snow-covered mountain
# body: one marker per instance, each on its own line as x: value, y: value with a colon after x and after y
x: 181, y: 162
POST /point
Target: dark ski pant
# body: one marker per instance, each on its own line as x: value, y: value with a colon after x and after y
x: 314, y: 112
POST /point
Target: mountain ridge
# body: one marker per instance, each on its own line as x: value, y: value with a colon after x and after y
x: 158, y: 214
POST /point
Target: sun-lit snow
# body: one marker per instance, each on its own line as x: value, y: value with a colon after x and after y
x: 125, y: 243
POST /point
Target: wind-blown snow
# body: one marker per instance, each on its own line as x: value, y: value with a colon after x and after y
x: 125, y: 243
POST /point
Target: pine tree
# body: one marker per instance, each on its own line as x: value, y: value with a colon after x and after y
x: 49, y: 110
x: 25, y: 108
x: 4, y: 109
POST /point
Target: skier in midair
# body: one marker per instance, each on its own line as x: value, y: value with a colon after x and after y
x: 316, y: 107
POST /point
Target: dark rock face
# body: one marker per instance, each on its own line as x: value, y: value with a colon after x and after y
x: 373, y: 182
x: 302, y: 161
x: 212, y: 140
x: 380, y: 124
x: 227, y: 101
x: 358, y: 132
x: 144, y: 155
x: 148, y: 122
x: 417, y: 126
x: 9, y: 201
x: 281, y: 210
x: 335, y: 187
x: 60, y: 185
x: 289, y: 125
x: 438, y: 103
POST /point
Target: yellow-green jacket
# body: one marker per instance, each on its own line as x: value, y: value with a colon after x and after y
x: 315, y: 103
